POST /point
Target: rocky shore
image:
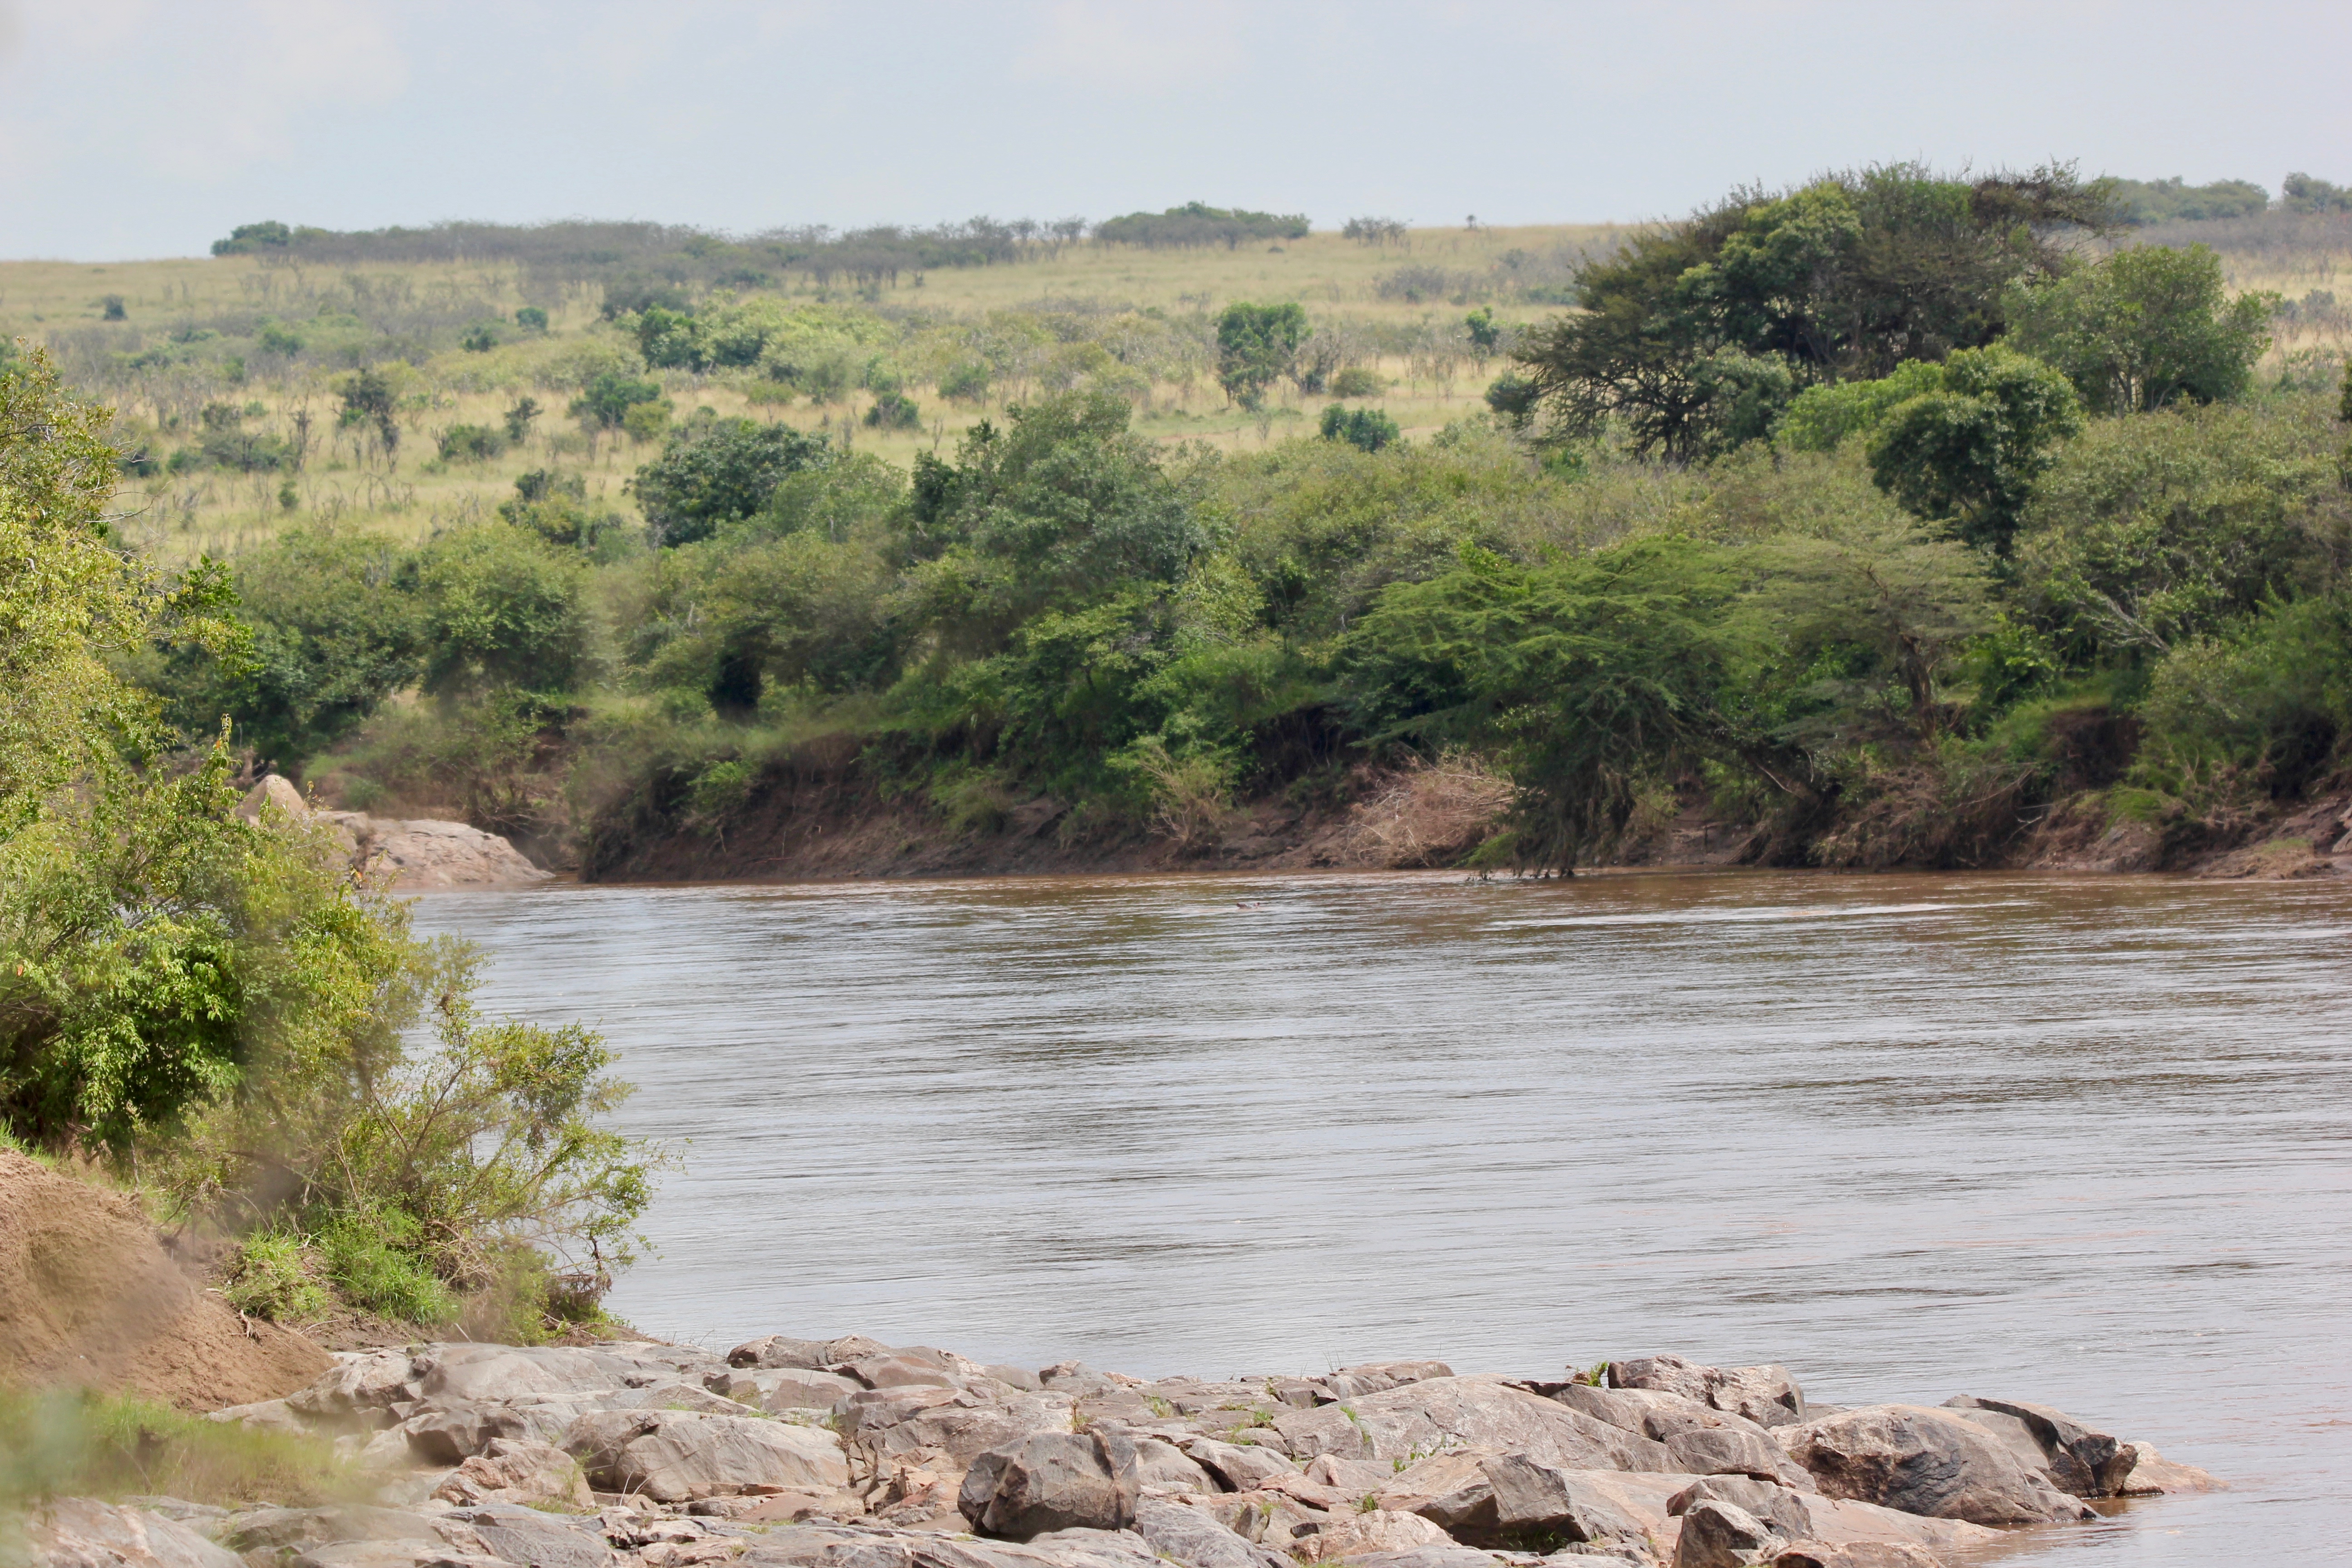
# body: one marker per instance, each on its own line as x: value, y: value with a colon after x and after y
x: 791, y: 1453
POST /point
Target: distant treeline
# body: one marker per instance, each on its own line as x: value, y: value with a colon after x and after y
x: 2143, y: 202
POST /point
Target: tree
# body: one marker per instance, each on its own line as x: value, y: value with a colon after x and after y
x: 1256, y: 346
x: 499, y: 609
x: 1851, y: 275
x: 368, y: 399
x: 2146, y: 328
x: 2299, y: 193
x: 1968, y: 451
x: 606, y: 401
x: 1366, y: 428
x: 714, y: 471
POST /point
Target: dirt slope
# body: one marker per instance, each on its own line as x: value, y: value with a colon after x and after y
x: 88, y: 1297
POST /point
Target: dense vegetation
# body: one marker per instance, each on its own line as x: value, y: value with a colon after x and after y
x: 1882, y: 516
x: 211, y: 1003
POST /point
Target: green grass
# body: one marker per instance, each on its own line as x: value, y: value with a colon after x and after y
x: 59, y: 1444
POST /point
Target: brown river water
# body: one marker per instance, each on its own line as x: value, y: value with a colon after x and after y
x: 2085, y: 1140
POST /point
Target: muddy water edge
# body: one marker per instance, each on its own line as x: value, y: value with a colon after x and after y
x: 2083, y: 1141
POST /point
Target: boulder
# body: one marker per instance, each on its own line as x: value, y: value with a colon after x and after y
x: 1856, y: 1554
x: 1449, y: 1412
x: 449, y: 1434
x: 1383, y: 1530
x: 1240, y: 1465
x: 783, y: 1388
x: 1622, y: 1410
x: 1926, y: 1461
x: 1195, y: 1538
x: 674, y: 1456
x: 1767, y: 1395
x: 1726, y: 1451
x: 360, y: 1381
x: 2077, y: 1459
x: 1352, y: 1477
x: 961, y: 1422
x: 1541, y: 1501
x: 428, y: 853
x: 1777, y: 1506
x: 2153, y: 1475
x: 1724, y: 1535
x: 521, y: 1534
x: 1443, y: 1556
x: 781, y: 1351
x: 1376, y: 1376
x: 1051, y: 1481
x: 81, y: 1533
x: 1165, y: 1466
x: 522, y: 1473
x: 902, y: 1371
x: 1451, y: 1490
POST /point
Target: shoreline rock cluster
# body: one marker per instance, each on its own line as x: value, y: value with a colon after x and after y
x: 847, y: 1453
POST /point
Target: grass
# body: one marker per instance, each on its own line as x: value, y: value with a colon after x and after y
x: 1339, y: 280
x: 68, y: 1445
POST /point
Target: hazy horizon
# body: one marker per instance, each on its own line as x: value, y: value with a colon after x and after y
x: 130, y: 129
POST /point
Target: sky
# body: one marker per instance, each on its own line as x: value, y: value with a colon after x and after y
x: 143, y: 128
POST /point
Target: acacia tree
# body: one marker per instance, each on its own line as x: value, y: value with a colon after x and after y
x: 1256, y: 346
x: 1851, y: 275
x: 2146, y: 328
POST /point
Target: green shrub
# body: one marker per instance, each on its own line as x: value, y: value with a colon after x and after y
x: 646, y: 421
x: 272, y: 1279
x: 531, y: 318
x: 120, y: 1446
x: 1359, y: 381
x: 376, y: 1262
x: 471, y: 444
x: 499, y: 608
x: 605, y: 401
x: 480, y: 338
x: 714, y: 471
x: 964, y: 383
x: 1368, y: 429
x: 894, y: 411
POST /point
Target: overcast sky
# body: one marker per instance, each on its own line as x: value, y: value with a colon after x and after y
x: 135, y: 128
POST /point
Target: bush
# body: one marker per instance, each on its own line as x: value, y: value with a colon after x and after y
x: 965, y: 383
x: 531, y: 318
x: 716, y: 471
x: 272, y: 1279
x: 471, y: 444
x: 1359, y: 381
x: 375, y: 1262
x: 1367, y: 428
x: 894, y: 411
x: 606, y: 400
x: 646, y: 421
x: 499, y: 609
x: 2146, y: 328
x: 120, y: 1448
x: 112, y: 309
x: 480, y: 337
x: 1256, y: 346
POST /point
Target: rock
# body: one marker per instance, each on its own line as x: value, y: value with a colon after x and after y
x: 521, y: 1534
x: 961, y: 1422
x: 2079, y: 1460
x: 1166, y: 1467
x: 1622, y: 1410
x: 1451, y: 1490
x: 1375, y: 1376
x: 1484, y: 1412
x: 1444, y: 1556
x: 1240, y: 1465
x: 1767, y: 1395
x: 1532, y: 1500
x: 1725, y: 1451
x: 1926, y: 1461
x: 2153, y: 1475
x: 1777, y: 1506
x: 1353, y: 1477
x: 674, y: 1456
x: 1723, y: 1535
x: 360, y: 1382
x: 517, y: 1472
x: 1016, y: 1377
x: 1075, y: 1377
x: 1381, y: 1530
x: 782, y: 1389
x: 1050, y: 1481
x: 1194, y: 1537
x: 450, y: 1434
x: 781, y: 1351
x: 277, y: 793
x: 81, y: 1533
x: 428, y: 853
x: 1856, y: 1554
x: 902, y: 1371
x: 273, y: 1531
x: 1774, y: 1505
x: 262, y: 1416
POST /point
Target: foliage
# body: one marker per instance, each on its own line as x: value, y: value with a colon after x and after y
x: 606, y: 400
x: 1968, y: 452
x: 2143, y: 202
x: 716, y: 471
x: 1853, y: 275
x: 76, y: 1443
x: 271, y: 1278
x: 2299, y: 193
x: 1367, y: 429
x: 894, y: 410
x: 498, y: 607
x: 1198, y: 224
x: 2146, y: 328
x: 471, y: 444
x: 1256, y: 346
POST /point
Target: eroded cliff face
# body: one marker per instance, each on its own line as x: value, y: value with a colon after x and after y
x: 89, y: 1297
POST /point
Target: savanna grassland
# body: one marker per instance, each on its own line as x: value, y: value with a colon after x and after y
x: 1044, y: 320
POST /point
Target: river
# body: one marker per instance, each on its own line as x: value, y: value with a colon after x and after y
x: 2078, y: 1141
